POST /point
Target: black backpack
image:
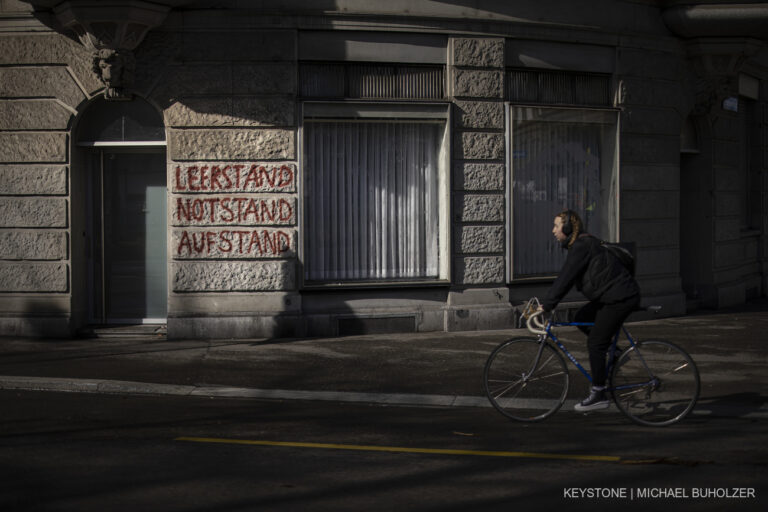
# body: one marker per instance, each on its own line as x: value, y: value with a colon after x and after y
x: 624, y: 252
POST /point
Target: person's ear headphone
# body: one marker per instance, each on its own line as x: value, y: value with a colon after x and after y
x: 568, y: 223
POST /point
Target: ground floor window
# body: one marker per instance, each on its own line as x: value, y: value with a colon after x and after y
x: 559, y: 158
x: 375, y: 193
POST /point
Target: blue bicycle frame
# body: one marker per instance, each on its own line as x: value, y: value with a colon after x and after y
x: 653, y: 382
x: 611, y: 352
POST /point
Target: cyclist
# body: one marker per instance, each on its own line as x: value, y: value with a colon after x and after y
x: 612, y: 292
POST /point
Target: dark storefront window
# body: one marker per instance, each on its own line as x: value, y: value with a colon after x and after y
x: 559, y: 158
x: 375, y: 193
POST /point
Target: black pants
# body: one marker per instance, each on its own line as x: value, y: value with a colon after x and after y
x: 608, y: 319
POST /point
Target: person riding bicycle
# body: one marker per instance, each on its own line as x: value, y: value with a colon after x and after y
x: 611, y: 289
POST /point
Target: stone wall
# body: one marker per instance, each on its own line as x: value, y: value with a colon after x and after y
x: 653, y: 104
x: 232, y: 177
x: 735, y: 258
x: 227, y: 89
x: 727, y: 178
x: 476, y: 74
x: 763, y: 156
x: 44, y: 78
x: 477, y: 86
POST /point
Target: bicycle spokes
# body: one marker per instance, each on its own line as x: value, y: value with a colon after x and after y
x: 655, y: 383
x: 525, y: 379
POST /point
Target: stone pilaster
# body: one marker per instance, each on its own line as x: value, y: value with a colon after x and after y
x: 229, y: 104
x: 43, y: 79
x: 477, y: 88
x: 479, y: 298
x: 651, y: 101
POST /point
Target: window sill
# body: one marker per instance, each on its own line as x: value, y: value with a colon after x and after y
x: 532, y: 280
x: 363, y: 285
x: 750, y: 233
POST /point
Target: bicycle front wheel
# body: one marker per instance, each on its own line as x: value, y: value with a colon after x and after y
x: 655, y: 383
x: 519, y: 386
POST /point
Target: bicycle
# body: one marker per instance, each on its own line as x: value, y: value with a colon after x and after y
x: 653, y: 382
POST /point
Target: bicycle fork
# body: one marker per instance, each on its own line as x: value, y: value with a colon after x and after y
x: 527, y: 375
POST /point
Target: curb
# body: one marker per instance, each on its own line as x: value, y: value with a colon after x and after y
x: 101, y: 386
x: 117, y: 387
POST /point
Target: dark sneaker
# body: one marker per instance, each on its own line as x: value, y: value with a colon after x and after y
x: 597, y: 399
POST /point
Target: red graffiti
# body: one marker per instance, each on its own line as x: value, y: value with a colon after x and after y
x: 211, y: 178
x: 253, y: 243
x: 234, y: 210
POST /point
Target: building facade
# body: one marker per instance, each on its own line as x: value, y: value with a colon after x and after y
x: 286, y: 168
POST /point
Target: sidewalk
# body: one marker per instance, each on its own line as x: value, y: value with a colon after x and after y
x: 424, y: 369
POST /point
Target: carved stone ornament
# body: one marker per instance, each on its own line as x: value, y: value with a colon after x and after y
x: 111, y: 29
x: 115, y: 69
x: 710, y: 18
x: 716, y: 65
x: 711, y: 91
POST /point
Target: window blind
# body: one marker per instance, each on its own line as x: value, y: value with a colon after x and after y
x: 372, y: 193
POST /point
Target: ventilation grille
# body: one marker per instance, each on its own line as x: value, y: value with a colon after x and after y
x: 351, y: 326
x: 371, y: 81
x: 558, y: 88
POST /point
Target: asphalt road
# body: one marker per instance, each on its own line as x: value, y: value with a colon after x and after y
x: 167, y: 426
x: 91, y: 452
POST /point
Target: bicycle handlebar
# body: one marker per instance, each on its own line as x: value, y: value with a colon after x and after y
x: 536, y: 323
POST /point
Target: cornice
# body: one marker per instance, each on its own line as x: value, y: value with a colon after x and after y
x: 718, y: 20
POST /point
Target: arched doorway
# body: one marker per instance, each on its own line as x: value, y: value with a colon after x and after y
x: 121, y: 146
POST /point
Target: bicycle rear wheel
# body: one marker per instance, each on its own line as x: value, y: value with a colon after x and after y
x: 655, y: 383
x: 518, y: 390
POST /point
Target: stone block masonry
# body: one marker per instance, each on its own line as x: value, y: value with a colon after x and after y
x: 477, y: 87
x: 232, y: 175
x: 32, y: 147
x: 223, y: 211
x: 45, y: 49
x: 28, y: 180
x: 236, y: 276
x: 206, y: 177
x: 33, y: 212
x: 33, y: 115
x: 479, y: 239
x: 44, y: 79
x: 479, y: 177
x: 40, y: 82
x: 32, y: 245
x: 478, y: 83
x: 249, y: 210
x: 234, y: 243
x: 480, y: 114
x: 33, y: 277
x: 478, y: 52
x: 476, y: 208
x: 223, y: 111
x: 234, y: 144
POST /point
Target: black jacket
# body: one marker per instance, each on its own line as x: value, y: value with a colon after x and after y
x: 597, y: 274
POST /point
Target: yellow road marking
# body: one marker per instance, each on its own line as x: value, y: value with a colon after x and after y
x: 401, y: 449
